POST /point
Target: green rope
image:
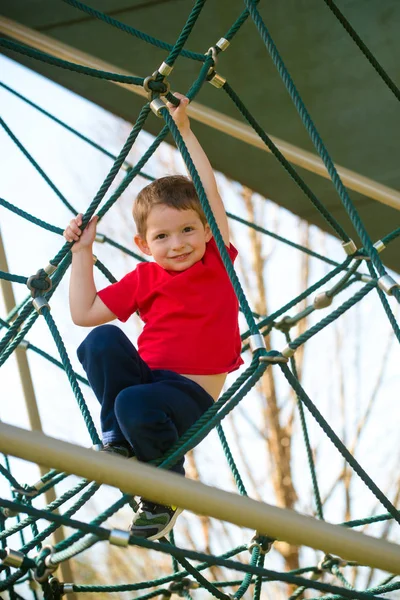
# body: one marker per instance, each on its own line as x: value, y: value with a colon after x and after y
x: 364, y: 49
x: 131, y: 30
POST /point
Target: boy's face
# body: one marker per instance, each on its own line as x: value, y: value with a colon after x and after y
x: 176, y: 239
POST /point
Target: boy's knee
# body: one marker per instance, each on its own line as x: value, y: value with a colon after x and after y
x: 99, y: 340
x: 133, y: 407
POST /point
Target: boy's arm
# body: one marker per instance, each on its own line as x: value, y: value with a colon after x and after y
x: 86, y: 307
x: 202, y: 165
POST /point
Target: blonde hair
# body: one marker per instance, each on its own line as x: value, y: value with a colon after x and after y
x: 175, y: 191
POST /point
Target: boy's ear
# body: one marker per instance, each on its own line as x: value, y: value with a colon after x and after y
x: 142, y: 245
x: 207, y: 232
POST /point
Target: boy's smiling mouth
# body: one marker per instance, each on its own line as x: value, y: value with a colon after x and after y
x: 181, y: 256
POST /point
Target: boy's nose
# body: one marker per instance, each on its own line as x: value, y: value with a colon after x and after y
x: 177, y: 243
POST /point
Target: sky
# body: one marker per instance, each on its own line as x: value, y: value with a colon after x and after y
x: 362, y: 335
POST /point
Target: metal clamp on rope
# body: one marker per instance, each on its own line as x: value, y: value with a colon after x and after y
x: 288, y: 352
x: 13, y: 558
x: 322, y: 300
x: 216, y: 79
x: 274, y: 357
x: 40, y: 303
x: 118, y: 537
x: 388, y: 284
x: 151, y: 78
x: 165, y: 69
x: 222, y: 44
x: 349, y: 247
x: 100, y: 238
x: 97, y: 447
x: 257, y: 342
x: 157, y: 105
x: 67, y: 588
x: 262, y: 542
x: 214, y: 55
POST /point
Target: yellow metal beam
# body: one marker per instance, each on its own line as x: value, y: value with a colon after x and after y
x: 31, y: 403
x: 207, y: 116
x: 169, y: 488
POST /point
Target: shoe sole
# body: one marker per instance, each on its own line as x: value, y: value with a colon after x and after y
x: 167, y: 528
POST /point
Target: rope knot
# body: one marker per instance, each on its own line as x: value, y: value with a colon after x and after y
x: 39, y: 284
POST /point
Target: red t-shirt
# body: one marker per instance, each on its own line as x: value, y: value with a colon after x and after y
x: 190, y: 317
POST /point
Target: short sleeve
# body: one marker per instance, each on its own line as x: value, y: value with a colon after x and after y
x: 121, y: 297
x: 232, y: 252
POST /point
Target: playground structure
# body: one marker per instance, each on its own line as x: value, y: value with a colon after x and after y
x: 331, y: 539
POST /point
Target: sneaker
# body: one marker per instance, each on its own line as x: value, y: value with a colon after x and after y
x: 120, y: 449
x: 153, y: 521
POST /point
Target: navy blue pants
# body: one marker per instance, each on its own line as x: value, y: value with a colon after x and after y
x: 148, y: 409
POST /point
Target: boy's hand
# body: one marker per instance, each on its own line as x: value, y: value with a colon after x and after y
x: 179, y: 114
x: 73, y: 233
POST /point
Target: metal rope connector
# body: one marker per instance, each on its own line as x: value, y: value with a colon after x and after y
x: 100, y: 238
x: 148, y: 80
x: 288, y: 352
x: 97, y: 447
x: 67, y: 588
x: 216, y: 79
x: 43, y: 572
x: 257, y: 342
x: 157, y: 105
x: 179, y: 587
x: 322, y: 300
x: 274, y: 357
x: 388, y: 284
x: 285, y: 324
x: 118, y: 537
x: 222, y: 44
x: 349, y: 247
x: 165, y: 69
x: 330, y: 561
x: 14, y: 558
x: 40, y: 303
x: 262, y: 542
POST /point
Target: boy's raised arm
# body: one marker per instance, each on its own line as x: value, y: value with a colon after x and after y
x: 86, y: 307
x: 202, y: 165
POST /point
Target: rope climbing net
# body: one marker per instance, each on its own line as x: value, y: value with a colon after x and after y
x: 20, y: 565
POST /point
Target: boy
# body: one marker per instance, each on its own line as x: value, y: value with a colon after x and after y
x: 190, y: 340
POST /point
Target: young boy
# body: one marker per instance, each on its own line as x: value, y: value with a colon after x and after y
x: 190, y: 340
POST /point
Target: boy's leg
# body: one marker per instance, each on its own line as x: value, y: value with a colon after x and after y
x: 111, y: 363
x: 152, y: 418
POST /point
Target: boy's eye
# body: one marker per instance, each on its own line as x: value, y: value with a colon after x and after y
x: 187, y: 229
x: 161, y: 236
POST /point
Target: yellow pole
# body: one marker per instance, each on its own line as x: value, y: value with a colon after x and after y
x: 164, y: 487
x: 208, y: 116
x: 30, y: 400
